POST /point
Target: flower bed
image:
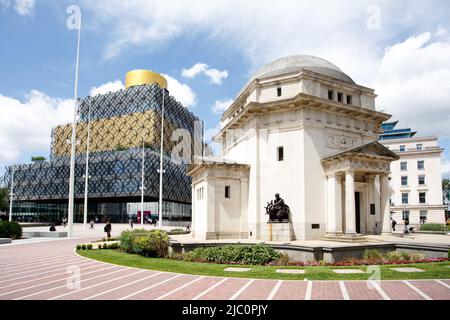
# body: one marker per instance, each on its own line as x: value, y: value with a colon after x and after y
x: 264, y: 255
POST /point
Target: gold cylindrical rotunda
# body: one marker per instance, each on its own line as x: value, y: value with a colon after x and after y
x: 140, y: 77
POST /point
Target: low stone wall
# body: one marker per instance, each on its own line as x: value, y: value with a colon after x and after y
x: 330, y: 254
x: 5, y: 240
x: 43, y: 234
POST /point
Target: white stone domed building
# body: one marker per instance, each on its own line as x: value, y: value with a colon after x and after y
x: 304, y: 129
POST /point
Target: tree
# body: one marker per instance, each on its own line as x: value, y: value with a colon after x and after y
x: 3, y: 199
x: 38, y: 159
x: 446, y: 189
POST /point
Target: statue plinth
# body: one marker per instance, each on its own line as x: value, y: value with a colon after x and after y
x: 279, y: 231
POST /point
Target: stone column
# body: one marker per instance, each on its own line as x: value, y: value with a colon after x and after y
x: 243, y: 218
x: 371, y: 219
x: 385, y: 208
x: 334, y: 204
x: 350, y: 213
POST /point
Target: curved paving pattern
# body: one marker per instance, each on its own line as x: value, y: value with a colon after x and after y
x: 48, y: 270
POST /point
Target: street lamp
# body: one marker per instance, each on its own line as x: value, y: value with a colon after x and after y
x: 161, y: 162
x: 86, y: 181
x: 11, y: 194
x: 142, y: 181
x: 73, y: 22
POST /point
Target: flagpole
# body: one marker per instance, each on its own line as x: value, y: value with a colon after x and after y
x: 73, y: 145
x: 161, y: 163
x: 86, y: 180
x: 11, y: 194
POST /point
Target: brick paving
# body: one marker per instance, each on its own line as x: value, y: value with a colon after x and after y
x: 51, y: 270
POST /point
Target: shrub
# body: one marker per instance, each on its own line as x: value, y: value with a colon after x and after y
x: 405, y: 256
x: 83, y: 247
x: 89, y: 247
x: 373, y: 255
x: 153, y: 243
x: 105, y: 246
x: 78, y: 247
x: 234, y: 254
x: 11, y: 230
x: 197, y: 255
x: 114, y: 246
x: 283, y: 259
x: 393, y: 256
x: 100, y: 246
x: 417, y: 256
x: 432, y: 227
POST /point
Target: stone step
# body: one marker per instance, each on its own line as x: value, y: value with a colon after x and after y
x: 346, y: 238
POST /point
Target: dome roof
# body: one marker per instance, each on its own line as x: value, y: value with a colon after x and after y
x: 299, y: 62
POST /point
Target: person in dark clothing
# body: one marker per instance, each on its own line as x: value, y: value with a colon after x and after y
x: 406, y: 230
x: 52, y: 227
x: 108, y: 229
x: 393, y: 223
x: 131, y: 222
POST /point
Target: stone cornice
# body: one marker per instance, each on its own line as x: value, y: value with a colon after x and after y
x: 295, y: 76
x: 302, y: 101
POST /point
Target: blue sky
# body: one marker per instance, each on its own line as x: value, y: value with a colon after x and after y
x: 400, y: 48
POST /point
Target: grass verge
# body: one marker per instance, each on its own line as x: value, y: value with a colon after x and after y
x: 432, y: 270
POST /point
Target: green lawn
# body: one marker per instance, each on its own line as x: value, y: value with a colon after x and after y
x: 433, y: 270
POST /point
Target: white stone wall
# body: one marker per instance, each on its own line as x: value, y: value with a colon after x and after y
x: 433, y: 179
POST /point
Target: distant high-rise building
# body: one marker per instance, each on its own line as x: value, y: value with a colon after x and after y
x: 391, y: 133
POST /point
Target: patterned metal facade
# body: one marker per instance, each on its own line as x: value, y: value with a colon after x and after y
x: 121, y: 123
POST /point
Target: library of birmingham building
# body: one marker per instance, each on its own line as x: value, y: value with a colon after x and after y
x: 122, y: 125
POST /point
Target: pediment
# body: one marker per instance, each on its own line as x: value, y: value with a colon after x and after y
x: 372, y: 149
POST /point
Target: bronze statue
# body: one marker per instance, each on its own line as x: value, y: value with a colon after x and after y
x: 278, y: 210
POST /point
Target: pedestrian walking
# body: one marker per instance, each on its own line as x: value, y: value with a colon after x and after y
x: 131, y: 223
x: 91, y: 223
x: 108, y: 229
x: 406, y: 229
x: 393, y: 224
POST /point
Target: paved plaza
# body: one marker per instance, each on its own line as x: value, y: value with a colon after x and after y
x: 51, y: 270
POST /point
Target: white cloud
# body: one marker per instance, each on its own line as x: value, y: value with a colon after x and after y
x: 216, y: 76
x: 107, y: 87
x: 413, y: 83
x: 253, y: 27
x: 25, y: 127
x: 221, y: 105
x: 24, y: 7
x: 182, y: 92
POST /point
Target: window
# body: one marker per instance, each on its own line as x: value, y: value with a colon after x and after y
x: 404, y: 180
x: 421, y: 165
x: 405, y: 198
x: 421, y: 180
x: 330, y: 94
x: 349, y: 99
x: 402, y: 148
x: 280, y: 154
x: 422, y: 197
x: 403, y: 166
x: 200, y: 193
x: 340, y: 96
x: 419, y: 147
x: 405, y: 214
x: 227, y: 192
x: 279, y: 91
